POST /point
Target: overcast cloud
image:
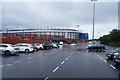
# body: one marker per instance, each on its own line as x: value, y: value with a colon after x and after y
x: 61, y: 15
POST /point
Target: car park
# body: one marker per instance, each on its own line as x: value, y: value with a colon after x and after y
x: 25, y: 47
x: 8, y: 49
x: 116, y: 57
x: 112, y: 52
x: 96, y: 47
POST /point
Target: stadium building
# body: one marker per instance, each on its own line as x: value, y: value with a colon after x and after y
x: 43, y: 35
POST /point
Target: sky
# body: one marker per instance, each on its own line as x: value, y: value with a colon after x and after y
x: 61, y: 15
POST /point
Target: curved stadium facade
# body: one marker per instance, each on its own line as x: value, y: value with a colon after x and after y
x: 43, y: 35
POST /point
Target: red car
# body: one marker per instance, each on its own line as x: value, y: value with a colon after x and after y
x: 35, y: 47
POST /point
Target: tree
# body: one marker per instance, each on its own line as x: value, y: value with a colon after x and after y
x: 111, y: 39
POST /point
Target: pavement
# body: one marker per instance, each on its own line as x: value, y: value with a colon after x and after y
x: 67, y: 62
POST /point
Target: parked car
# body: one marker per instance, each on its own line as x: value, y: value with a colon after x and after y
x: 96, y: 47
x: 35, y: 47
x: 8, y: 49
x: 73, y: 43
x: 61, y: 43
x: 25, y: 47
x: 47, y: 46
x: 111, y: 53
x: 116, y: 57
x: 40, y: 46
x: 55, y: 45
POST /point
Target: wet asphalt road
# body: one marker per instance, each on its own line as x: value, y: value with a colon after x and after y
x: 65, y: 62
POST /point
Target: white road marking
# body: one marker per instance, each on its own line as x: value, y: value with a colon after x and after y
x: 101, y: 58
x: 9, y: 64
x: 98, y: 55
x: 66, y: 59
x: 105, y: 61
x: 112, y: 66
x: 29, y: 58
x: 56, y: 69
x: 17, y: 61
x: 46, y: 78
x: 2, y: 66
x: 69, y: 56
x: 63, y: 62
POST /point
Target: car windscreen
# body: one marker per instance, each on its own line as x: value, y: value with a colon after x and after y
x: 37, y: 44
x: 13, y: 45
x: 32, y: 45
x: 118, y: 49
x: 4, y: 46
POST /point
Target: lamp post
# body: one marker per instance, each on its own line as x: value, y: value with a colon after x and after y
x: 7, y: 30
x: 78, y: 33
x: 93, y: 19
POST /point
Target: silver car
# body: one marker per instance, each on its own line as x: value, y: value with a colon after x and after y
x: 8, y: 49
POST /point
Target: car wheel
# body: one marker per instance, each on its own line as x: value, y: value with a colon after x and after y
x: 48, y: 48
x: 100, y: 50
x: 103, y: 50
x: 90, y: 49
x: 112, y: 56
x: 107, y: 55
x: 35, y: 49
x: 41, y: 48
x: 115, y: 61
x: 27, y: 51
x: 7, y: 53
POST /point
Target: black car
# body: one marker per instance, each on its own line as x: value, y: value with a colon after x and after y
x: 111, y: 53
x: 116, y: 57
x: 96, y: 47
x: 47, y: 46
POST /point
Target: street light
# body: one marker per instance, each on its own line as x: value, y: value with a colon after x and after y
x: 78, y: 32
x: 78, y: 27
x: 93, y: 18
